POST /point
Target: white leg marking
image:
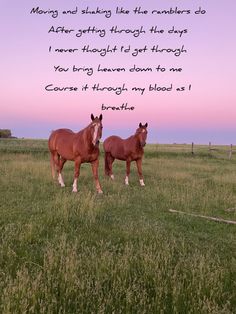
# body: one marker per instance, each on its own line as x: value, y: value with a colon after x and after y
x: 112, y: 176
x: 127, y: 180
x: 60, y: 180
x: 141, y: 182
x: 75, y: 186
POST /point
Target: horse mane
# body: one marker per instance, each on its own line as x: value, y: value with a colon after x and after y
x: 88, y: 126
x: 86, y: 134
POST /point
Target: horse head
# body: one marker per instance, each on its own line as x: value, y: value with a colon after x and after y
x: 96, y: 129
x: 141, y: 132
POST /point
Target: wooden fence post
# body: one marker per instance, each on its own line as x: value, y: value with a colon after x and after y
x: 209, y: 149
x: 230, y: 151
x: 192, y: 148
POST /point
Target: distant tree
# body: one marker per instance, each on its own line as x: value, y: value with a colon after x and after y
x: 5, y: 133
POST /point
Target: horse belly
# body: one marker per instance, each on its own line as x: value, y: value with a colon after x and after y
x: 66, y: 153
x: 89, y: 158
x: 119, y: 156
x: 136, y: 155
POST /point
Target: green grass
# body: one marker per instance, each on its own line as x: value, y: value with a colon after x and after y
x: 122, y: 252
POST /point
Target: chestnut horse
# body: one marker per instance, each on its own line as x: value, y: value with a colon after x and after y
x: 129, y: 149
x: 80, y: 147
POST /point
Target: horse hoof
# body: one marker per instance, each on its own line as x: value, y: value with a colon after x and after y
x: 141, y: 183
x: 126, y: 181
x: 112, y: 177
x: 74, y: 191
x: 100, y: 192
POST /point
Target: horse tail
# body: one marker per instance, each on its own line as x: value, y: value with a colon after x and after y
x: 52, y: 166
x: 51, y: 145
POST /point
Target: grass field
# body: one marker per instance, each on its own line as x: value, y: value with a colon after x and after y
x: 123, y: 251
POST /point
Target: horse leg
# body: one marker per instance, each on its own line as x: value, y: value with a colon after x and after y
x: 128, y: 162
x: 110, y: 162
x: 76, y: 174
x: 139, y: 168
x: 56, y: 161
x: 95, y: 164
x: 107, y: 168
x: 60, y: 178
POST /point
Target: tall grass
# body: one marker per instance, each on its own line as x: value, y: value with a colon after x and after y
x: 122, y: 252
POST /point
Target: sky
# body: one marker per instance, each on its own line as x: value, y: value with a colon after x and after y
x: 205, y: 111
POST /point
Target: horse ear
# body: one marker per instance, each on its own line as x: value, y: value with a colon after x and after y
x: 100, y: 117
x: 146, y: 124
x: 92, y: 117
x: 140, y: 124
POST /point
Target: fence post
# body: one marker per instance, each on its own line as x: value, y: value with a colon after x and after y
x: 230, y: 151
x: 192, y: 148
x: 209, y: 148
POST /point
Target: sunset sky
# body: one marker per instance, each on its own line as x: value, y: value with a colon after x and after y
x: 205, y: 111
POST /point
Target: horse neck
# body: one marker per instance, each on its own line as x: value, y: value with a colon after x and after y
x: 89, y: 136
x: 86, y: 136
x: 134, y: 141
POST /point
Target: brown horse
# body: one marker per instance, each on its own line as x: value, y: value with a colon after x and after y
x: 129, y: 149
x: 80, y: 147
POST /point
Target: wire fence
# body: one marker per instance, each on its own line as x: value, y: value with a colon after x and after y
x: 187, y: 149
x: 210, y: 150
